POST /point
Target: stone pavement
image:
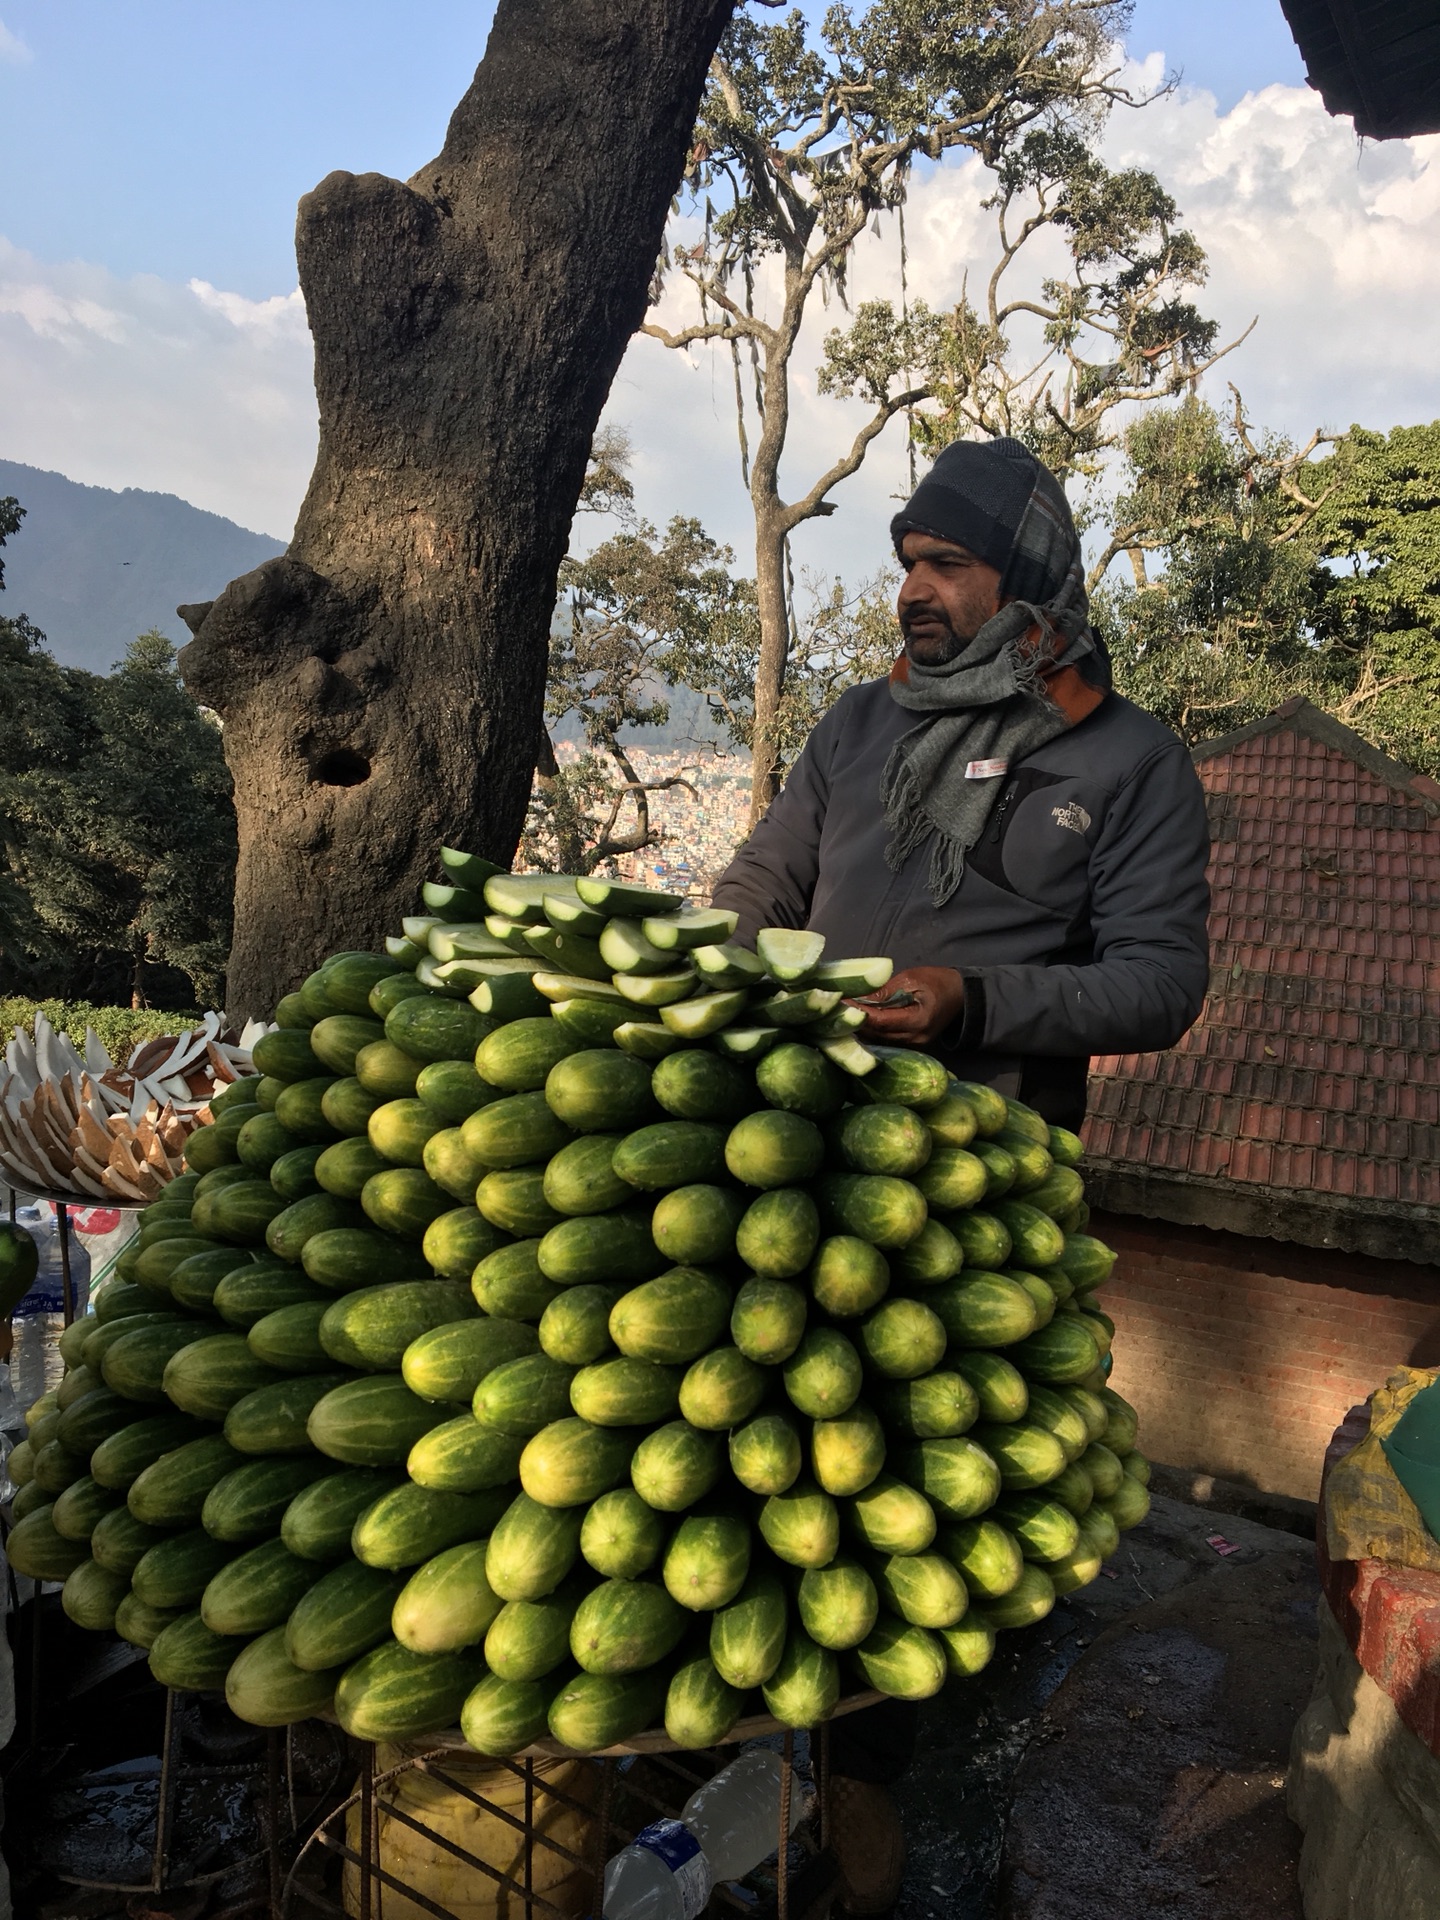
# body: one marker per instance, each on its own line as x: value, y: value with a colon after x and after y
x: 1127, y: 1757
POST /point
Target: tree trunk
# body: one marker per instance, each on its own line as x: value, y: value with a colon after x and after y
x: 773, y: 608
x: 382, y: 682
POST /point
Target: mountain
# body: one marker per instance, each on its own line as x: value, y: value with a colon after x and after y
x: 93, y: 568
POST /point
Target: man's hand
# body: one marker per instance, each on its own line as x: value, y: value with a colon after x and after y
x: 936, y: 996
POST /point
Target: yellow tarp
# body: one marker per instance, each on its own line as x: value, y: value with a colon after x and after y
x: 1368, y: 1514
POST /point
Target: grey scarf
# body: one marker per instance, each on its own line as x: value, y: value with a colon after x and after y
x: 998, y: 700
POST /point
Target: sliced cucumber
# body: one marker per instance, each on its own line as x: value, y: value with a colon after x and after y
x: 728, y: 965
x: 465, y: 940
x: 747, y: 1043
x: 837, y: 1025
x: 647, y: 1041
x: 508, y: 932
x: 657, y: 989
x: 521, y: 896
x: 402, y: 951
x: 571, y: 952
x: 797, y: 1008
x: 700, y: 927
x: 509, y: 996
x: 850, y: 1056
x: 789, y: 954
x: 467, y: 869
x: 625, y: 947
x: 570, y: 986
x: 452, y: 903
x: 416, y: 927
x: 853, y: 976
x: 568, y: 913
x: 621, y: 897
x: 697, y: 1019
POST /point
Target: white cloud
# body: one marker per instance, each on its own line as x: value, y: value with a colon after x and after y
x: 140, y: 383
x: 13, y: 49
x: 202, y: 392
x: 1335, y: 247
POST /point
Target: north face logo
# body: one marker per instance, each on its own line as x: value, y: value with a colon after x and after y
x: 1073, y: 816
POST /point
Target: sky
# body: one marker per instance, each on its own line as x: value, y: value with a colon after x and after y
x: 152, y: 335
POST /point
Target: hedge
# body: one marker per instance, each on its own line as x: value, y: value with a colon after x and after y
x: 120, y: 1028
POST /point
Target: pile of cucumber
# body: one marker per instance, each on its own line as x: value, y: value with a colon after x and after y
x: 574, y: 1327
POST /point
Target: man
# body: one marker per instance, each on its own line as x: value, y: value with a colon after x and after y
x: 1026, y: 845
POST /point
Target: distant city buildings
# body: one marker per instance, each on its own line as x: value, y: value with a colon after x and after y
x: 699, y: 831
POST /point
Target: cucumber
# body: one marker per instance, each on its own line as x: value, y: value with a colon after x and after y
x: 670, y: 1154
x: 575, y: 1328
x: 513, y: 1199
x: 838, y: 1604
x: 805, y: 1688
x: 256, y: 1590
x: 449, y: 1362
x: 779, y: 1232
x: 600, y: 1090
x: 601, y: 1247
x: 521, y: 1396
x: 275, y: 1419
x: 455, y: 1243
x: 571, y: 1462
x: 595, y: 1711
x: 318, y: 1522
x: 891, y: 1517
x: 801, y: 1526
x: 700, y: 1707
x: 824, y: 1374
x: 695, y: 1224
x: 902, y: 1339
x: 371, y: 1422
x: 707, y: 1561
x: 343, y: 1614
x: 391, y: 1693
x: 622, y: 1535
x: 508, y: 1283
x: 774, y: 1148
x: 673, y: 1318
x: 801, y: 1080
x: 959, y: 1476
x: 675, y: 1466
x: 372, y: 1329
x: 190, y: 1657
x: 936, y: 1407
x: 622, y: 1626
x: 462, y: 1456
x: 849, y: 1276
x: 529, y: 1638
x: 847, y: 1452
x: 905, y: 1662
x: 721, y: 1389
x: 766, y: 1453
x: 411, y: 1524
x: 250, y: 1501
x: 503, y: 1717
x: 531, y: 1549
x: 581, y: 1179
x: 767, y: 1320
x: 886, y: 1139
x: 932, y: 1257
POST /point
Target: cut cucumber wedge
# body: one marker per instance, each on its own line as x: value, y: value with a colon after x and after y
x: 836, y: 1025
x: 466, y: 940
x: 509, y: 933
x: 699, y: 927
x: 648, y: 1042
x: 697, y: 1019
x: 441, y: 976
x: 416, y: 926
x: 727, y: 965
x: 623, y: 898
x: 853, y: 976
x: 521, y: 896
x: 509, y: 996
x: 850, y: 1056
x: 567, y: 952
x: 467, y: 869
x: 569, y: 914
x: 570, y: 986
x: 593, y: 1021
x: 656, y: 989
x: 453, y: 903
x: 747, y: 1043
x: 788, y: 954
x: 627, y: 950
x: 797, y: 1009
x: 402, y: 951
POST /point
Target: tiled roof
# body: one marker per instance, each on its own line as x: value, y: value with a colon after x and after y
x: 1315, y: 1066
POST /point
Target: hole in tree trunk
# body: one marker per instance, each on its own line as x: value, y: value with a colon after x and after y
x: 343, y: 767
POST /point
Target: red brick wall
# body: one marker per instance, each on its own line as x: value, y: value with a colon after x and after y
x: 1244, y: 1355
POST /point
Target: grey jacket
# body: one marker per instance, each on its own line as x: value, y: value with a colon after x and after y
x: 1079, y: 926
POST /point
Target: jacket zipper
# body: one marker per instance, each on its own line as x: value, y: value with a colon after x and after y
x: 1000, y: 812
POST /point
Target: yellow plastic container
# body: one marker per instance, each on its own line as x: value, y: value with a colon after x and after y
x: 422, y: 1864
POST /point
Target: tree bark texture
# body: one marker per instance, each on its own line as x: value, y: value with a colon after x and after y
x: 382, y: 682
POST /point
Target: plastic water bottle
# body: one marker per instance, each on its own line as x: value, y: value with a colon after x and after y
x: 726, y: 1828
x: 39, y: 1320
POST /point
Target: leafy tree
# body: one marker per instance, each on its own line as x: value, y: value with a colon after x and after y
x: 118, y: 833
x: 640, y: 612
x: 1261, y: 570
x: 805, y: 140
x: 1378, y: 531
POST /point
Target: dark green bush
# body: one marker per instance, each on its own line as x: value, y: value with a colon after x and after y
x: 120, y: 1028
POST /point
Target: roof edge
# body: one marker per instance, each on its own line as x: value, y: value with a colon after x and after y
x: 1380, y: 1229
x: 1304, y: 717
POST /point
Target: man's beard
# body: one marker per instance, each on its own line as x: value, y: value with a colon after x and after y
x: 935, y: 643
